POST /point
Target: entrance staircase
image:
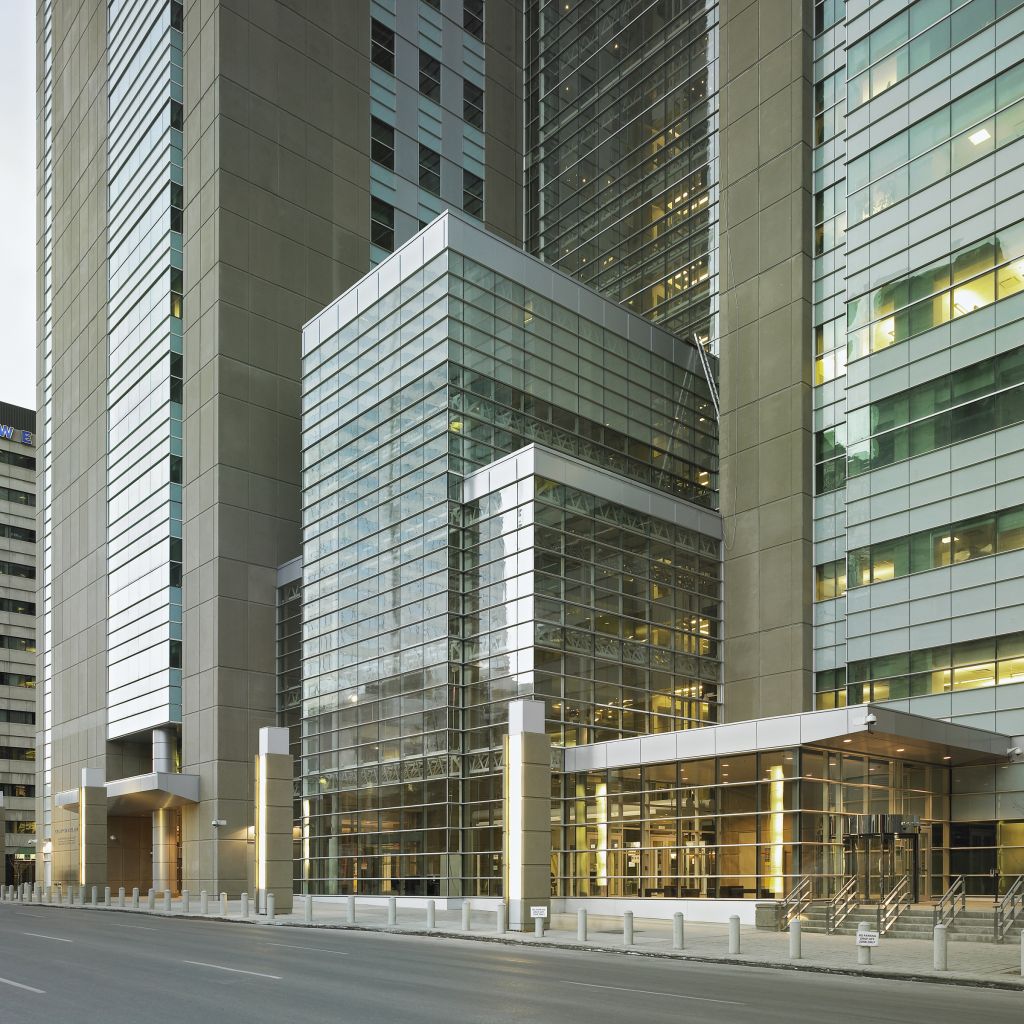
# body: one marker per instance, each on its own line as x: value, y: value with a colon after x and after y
x: 916, y: 922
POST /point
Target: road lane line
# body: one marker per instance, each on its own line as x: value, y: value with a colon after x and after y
x: 319, y: 949
x: 140, y: 927
x: 233, y: 970
x: 52, y: 938
x: 18, y: 984
x: 650, y: 992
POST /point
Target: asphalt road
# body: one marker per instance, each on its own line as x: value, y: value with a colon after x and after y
x: 82, y: 967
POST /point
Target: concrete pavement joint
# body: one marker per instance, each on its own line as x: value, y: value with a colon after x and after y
x: 527, y: 941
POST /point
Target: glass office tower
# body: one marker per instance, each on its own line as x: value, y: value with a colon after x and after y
x: 621, y: 153
x: 590, y: 581
x: 918, y: 240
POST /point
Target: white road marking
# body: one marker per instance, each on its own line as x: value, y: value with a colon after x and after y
x: 18, y: 984
x: 233, y: 970
x: 649, y: 992
x: 52, y: 938
x: 140, y: 927
x: 319, y: 949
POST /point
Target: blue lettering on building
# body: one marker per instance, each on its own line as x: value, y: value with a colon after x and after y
x: 8, y: 434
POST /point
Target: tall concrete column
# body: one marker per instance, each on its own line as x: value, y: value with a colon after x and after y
x: 527, y: 861
x: 767, y: 363
x: 165, y: 853
x: 3, y: 842
x: 92, y: 828
x: 274, y: 819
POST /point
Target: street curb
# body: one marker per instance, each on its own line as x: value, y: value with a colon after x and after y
x: 887, y: 973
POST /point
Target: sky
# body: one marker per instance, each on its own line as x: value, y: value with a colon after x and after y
x: 18, y: 203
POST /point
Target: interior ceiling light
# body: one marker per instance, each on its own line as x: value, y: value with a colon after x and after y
x: 980, y: 136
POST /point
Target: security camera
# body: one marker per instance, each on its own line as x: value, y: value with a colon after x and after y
x: 219, y: 822
x: 1014, y: 752
x: 870, y: 719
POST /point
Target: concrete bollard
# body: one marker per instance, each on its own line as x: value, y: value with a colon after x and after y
x: 271, y: 900
x: 151, y: 900
x: 431, y: 915
x: 245, y: 905
x: 795, y: 951
x: 864, y: 952
x: 204, y: 902
x: 1022, y: 958
x: 467, y: 916
x: 627, y: 928
x: 677, y: 931
x: 350, y: 910
x: 120, y: 897
x: 940, y: 951
x: 308, y: 910
x: 135, y: 898
x: 734, y: 935
x: 392, y: 911
x: 581, y: 926
x: 223, y: 904
x: 167, y: 901
x: 95, y: 895
x: 538, y: 927
x: 500, y: 923
x: 71, y: 895
x: 106, y: 896
x: 186, y: 901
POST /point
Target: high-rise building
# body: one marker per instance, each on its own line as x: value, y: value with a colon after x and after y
x: 826, y: 196
x: 17, y: 643
x: 209, y: 177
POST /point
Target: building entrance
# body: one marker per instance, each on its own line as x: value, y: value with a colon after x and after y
x: 878, y: 862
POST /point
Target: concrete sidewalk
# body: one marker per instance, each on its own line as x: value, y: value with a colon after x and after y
x: 970, y: 963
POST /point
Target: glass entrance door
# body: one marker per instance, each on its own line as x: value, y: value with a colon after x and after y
x: 878, y: 862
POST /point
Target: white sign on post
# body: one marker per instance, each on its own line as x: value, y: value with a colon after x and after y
x: 538, y: 911
x: 867, y: 938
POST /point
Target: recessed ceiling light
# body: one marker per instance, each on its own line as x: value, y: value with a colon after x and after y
x: 980, y: 136
x: 899, y: 750
x: 948, y: 757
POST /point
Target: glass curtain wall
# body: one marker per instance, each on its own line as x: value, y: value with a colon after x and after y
x: 621, y: 116
x: 144, y: 382
x: 740, y: 826
x: 452, y: 367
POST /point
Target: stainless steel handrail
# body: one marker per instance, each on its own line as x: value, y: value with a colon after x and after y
x: 798, y: 900
x: 946, y: 909
x: 839, y: 908
x: 895, y: 901
x: 1009, y: 908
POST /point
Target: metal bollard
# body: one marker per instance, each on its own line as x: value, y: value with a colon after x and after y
x: 627, y: 928
x: 308, y: 910
x: 95, y: 895
x: 135, y: 898
x: 677, y: 931
x: 151, y: 900
x: 431, y: 915
x: 245, y: 905
x: 538, y: 927
x: 350, y: 910
x: 734, y: 935
x: 223, y: 904
x: 120, y: 897
x: 204, y: 902
x: 106, y: 896
x: 581, y: 926
x: 467, y: 916
x: 864, y: 952
x: 795, y: 952
x: 500, y: 923
x: 392, y: 911
x: 186, y: 901
x: 940, y: 952
x: 271, y: 900
x: 167, y: 901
